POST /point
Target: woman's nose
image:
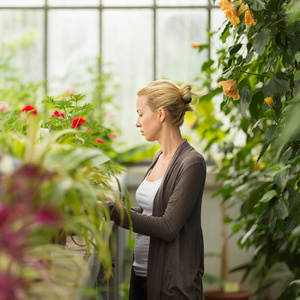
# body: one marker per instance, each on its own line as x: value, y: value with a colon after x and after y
x: 137, y: 124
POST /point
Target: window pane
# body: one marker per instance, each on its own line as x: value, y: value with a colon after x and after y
x: 73, y: 2
x: 22, y: 38
x: 182, y: 2
x: 73, y: 40
x: 177, y: 29
x: 128, y: 55
x: 217, y: 24
x: 14, y: 3
x: 127, y: 2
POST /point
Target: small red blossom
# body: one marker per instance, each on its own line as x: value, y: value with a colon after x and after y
x: 58, y: 114
x: 29, y: 108
x: 112, y: 136
x: 99, y: 141
x: 77, y: 122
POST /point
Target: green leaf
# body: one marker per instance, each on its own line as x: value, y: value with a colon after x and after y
x: 257, y: 5
x: 225, y: 33
x: 281, y: 210
x: 268, y: 196
x: 245, y: 100
x: 297, y: 75
x: 261, y: 40
x: 274, y: 5
x: 234, y: 49
x: 291, y: 292
x: 263, y: 150
x: 271, y: 133
x: 279, y: 83
x: 255, y: 106
x: 206, y: 66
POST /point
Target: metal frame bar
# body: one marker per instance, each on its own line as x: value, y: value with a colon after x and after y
x: 101, y: 8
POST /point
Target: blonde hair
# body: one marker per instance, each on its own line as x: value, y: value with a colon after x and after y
x: 173, y: 98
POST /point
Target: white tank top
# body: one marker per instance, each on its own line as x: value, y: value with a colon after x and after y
x: 144, y: 196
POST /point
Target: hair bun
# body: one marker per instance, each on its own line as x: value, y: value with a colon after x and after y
x: 187, y: 101
x: 185, y: 90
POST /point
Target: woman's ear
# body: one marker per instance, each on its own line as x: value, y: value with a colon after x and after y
x: 161, y: 114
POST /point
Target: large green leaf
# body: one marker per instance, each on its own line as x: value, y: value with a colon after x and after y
x: 261, y: 40
x: 271, y: 133
x: 258, y: 5
x: 274, y: 5
x: 245, y: 100
x: 279, y: 83
x: 255, y: 106
x: 268, y: 196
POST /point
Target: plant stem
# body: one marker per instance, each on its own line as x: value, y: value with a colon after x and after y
x: 255, y: 74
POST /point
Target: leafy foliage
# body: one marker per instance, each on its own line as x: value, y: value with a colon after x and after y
x: 261, y: 174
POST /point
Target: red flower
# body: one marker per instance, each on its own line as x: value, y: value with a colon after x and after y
x: 77, y: 122
x: 29, y: 108
x: 99, y: 141
x: 57, y: 113
x: 112, y: 136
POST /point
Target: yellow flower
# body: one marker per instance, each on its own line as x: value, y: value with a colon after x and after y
x: 232, y: 15
x: 242, y: 8
x: 225, y: 5
x: 270, y: 102
x: 249, y: 19
x: 230, y: 89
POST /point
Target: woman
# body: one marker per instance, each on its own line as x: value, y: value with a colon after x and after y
x: 168, y: 253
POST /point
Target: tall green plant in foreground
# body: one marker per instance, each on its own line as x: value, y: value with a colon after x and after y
x: 260, y: 78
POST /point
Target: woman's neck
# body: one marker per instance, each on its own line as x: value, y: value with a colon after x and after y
x: 170, y: 141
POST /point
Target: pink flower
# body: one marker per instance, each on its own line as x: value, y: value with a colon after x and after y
x: 29, y: 108
x: 71, y: 92
x: 48, y: 216
x: 90, y: 130
x: 112, y: 136
x: 111, y: 115
x: 99, y: 141
x: 4, y: 106
x: 77, y: 122
x: 58, y: 114
x: 11, y: 287
x: 4, y: 214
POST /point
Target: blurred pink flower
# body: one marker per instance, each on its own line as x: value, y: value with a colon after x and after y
x: 111, y: 115
x: 4, y: 106
x: 99, y: 141
x: 58, y: 114
x: 71, y: 92
x: 12, y: 288
x: 14, y: 243
x: 112, y: 136
x: 4, y: 214
x: 49, y: 216
x: 90, y: 130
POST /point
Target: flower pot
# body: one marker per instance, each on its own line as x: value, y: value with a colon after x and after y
x: 217, y: 295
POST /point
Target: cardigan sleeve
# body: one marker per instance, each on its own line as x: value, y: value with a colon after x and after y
x: 188, y: 190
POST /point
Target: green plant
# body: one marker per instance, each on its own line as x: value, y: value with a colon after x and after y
x: 260, y: 72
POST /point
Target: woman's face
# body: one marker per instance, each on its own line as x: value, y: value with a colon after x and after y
x: 148, y: 121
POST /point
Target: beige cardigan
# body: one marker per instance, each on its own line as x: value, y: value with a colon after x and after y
x: 175, y: 261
